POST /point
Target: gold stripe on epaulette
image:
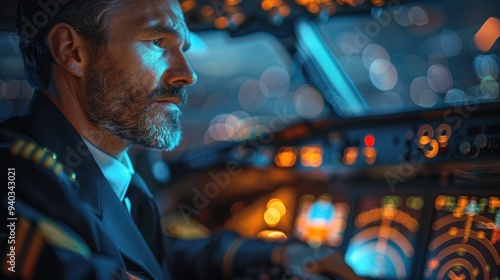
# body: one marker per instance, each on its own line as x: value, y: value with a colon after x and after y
x: 58, y: 168
x: 49, y: 162
x: 17, y: 147
x: 28, y: 150
x: 50, y: 152
x: 42, y: 156
x: 38, y: 155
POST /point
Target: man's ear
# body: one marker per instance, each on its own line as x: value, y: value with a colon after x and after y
x: 69, y: 49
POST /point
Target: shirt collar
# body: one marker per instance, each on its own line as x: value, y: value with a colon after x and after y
x: 118, y: 171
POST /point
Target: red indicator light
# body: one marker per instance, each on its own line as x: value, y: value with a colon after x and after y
x: 369, y: 140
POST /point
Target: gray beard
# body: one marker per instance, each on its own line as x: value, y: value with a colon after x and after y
x: 129, y: 113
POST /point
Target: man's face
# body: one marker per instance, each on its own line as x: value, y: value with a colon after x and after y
x: 136, y: 82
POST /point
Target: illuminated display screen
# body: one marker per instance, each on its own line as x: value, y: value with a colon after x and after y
x: 385, y: 231
x: 465, y: 241
x: 322, y: 220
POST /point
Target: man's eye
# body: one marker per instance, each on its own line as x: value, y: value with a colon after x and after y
x: 157, y: 42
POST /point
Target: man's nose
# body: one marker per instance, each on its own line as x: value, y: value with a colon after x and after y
x: 180, y: 72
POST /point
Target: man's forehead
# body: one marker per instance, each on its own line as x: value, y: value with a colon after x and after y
x: 156, y: 13
x: 170, y: 12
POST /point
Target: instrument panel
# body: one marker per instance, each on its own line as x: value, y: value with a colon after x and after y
x: 385, y: 231
x: 407, y: 235
x: 418, y: 201
x: 464, y: 240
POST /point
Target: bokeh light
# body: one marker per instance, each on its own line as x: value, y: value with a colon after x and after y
x: 161, y: 171
x: 311, y: 156
x: 277, y: 204
x: 276, y: 81
x: 245, y: 125
x: 373, y: 52
x: 252, y: 95
x: 369, y: 140
x: 421, y: 94
x: 10, y: 89
x: 425, y: 134
x: 486, y: 66
x: 207, y: 11
x: 370, y: 154
x: 272, y: 217
x: 350, y: 155
x: 401, y: 15
x: 443, y: 134
x: 308, y: 102
x: 418, y: 15
x: 415, y: 202
x: 286, y: 157
x: 272, y: 235
x: 439, y: 78
x: 455, y: 97
x: 223, y: 127
x: 383, y: 74
x: 489, y: 88
x: 237, y: 18
x: 431, y: 149
x: 487, y: 35
x: 221, y: 22
x: 451, y: 44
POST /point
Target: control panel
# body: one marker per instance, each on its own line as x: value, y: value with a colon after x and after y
x: 445, y: 137
x: 422, y: 195
x: 408, y: 234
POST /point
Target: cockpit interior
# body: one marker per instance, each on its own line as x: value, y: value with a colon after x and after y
x: 369, y: 126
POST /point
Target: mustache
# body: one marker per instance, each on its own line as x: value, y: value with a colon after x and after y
x: 179, y: 92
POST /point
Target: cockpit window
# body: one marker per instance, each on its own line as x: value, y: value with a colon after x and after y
x: 406, y: 57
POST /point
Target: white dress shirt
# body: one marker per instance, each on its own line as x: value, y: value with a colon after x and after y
x: 118, y: 171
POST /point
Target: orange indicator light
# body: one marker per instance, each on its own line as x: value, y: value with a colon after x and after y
x: 433, y: 264
x: 286, y: 157
x: 350, y: 155
x: 431, y: 149
x: 311, y: 156
x: 370, y: 154
x: 488, y: 34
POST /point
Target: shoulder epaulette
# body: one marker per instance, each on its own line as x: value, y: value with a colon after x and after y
x: 32, y: 237
x: 43, y: 157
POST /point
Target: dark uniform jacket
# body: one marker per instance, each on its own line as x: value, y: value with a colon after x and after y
x: 65, y: 222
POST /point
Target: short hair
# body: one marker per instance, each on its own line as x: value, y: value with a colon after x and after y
x: 35, y: 19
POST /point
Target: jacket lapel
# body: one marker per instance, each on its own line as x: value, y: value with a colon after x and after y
x: 119, y: 224
x: 49, y: 127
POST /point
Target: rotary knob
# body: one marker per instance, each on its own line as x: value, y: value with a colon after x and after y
x: 481, y: 141
x: 466, y: 148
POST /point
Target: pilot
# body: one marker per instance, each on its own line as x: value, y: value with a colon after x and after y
x: 109, y: 74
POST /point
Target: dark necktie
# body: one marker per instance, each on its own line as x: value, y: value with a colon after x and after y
x: 145, y: 213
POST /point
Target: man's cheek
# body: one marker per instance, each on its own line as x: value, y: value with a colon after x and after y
x: 148, y: 76
x: 151, y: 59
x: 157, y: 71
